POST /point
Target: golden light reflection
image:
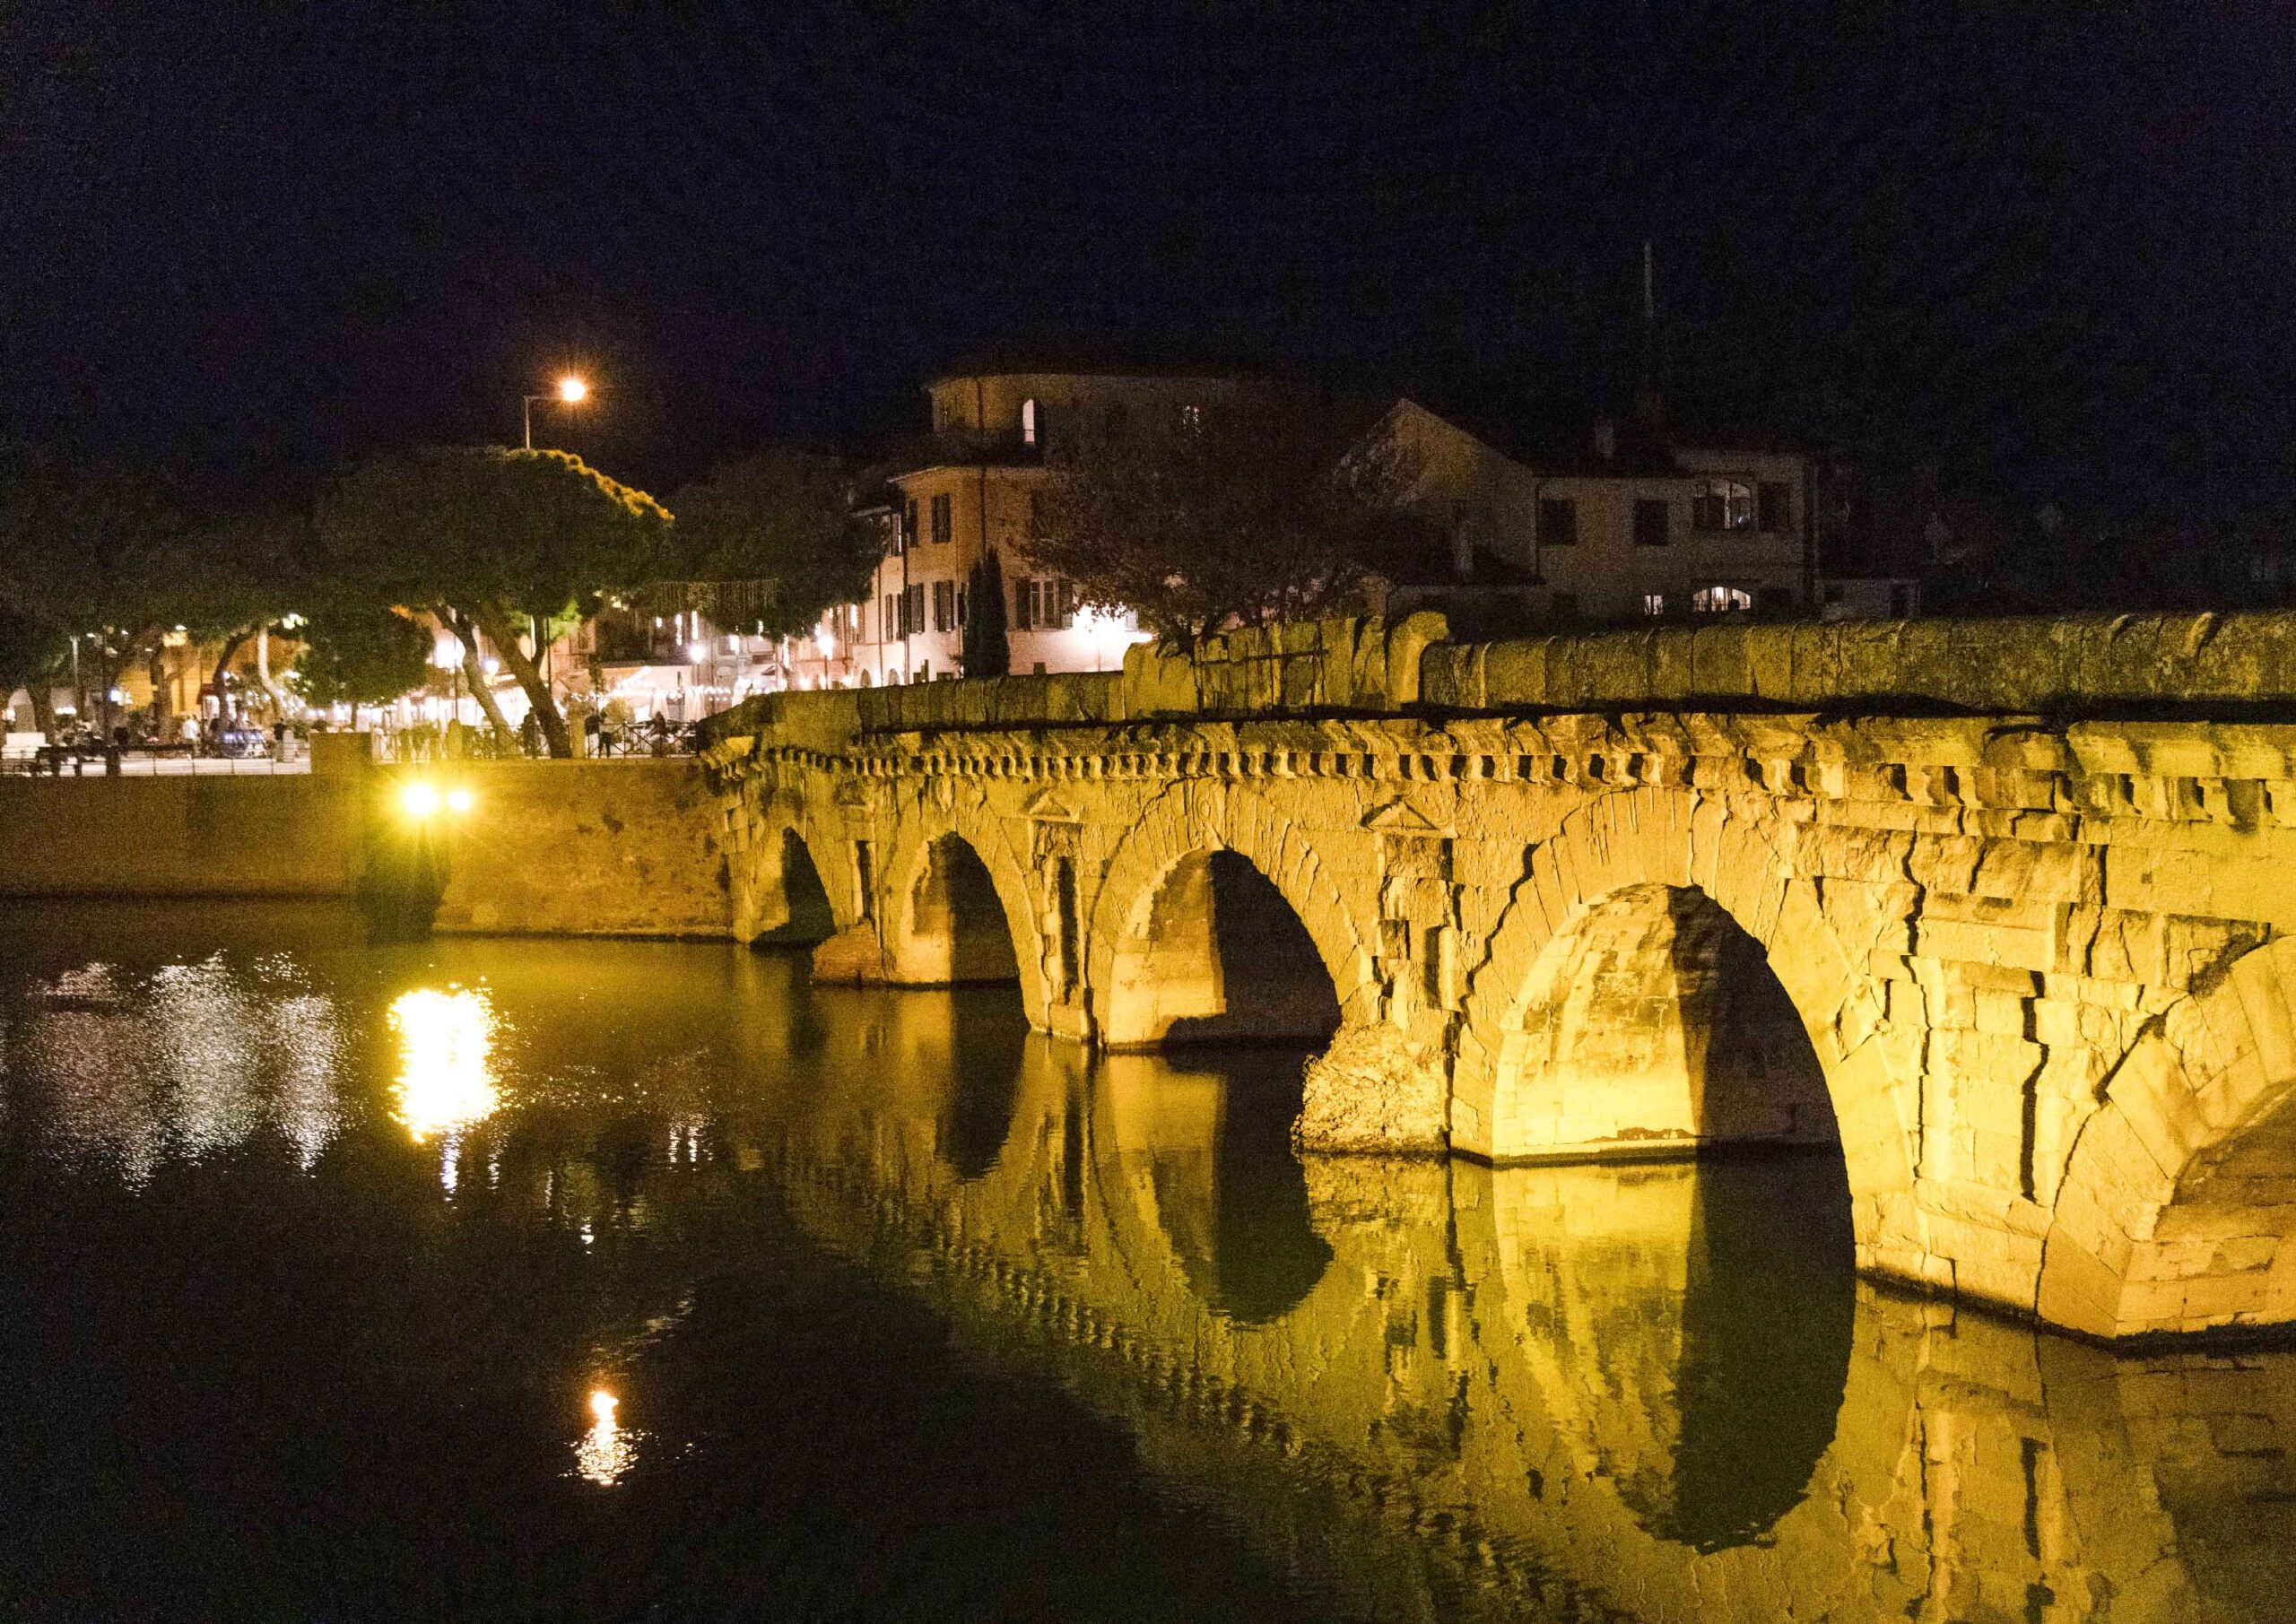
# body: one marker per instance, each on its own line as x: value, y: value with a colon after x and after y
x: 446, y: 1040
x: 606, y: 1451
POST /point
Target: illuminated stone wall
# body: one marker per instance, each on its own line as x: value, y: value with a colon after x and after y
x: 2030, y: 953
x: 609, y: 848
x: 181, y: 836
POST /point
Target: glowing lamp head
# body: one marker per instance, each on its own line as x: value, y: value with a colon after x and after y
x: 458, y: 801
x: 572, y: 390
x: 418, y: 799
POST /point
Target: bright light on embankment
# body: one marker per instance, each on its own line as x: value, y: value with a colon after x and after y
x: 418, y: 799
x: 458, y: 800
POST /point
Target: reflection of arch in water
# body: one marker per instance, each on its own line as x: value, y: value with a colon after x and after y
x: 1651, y: 1023
x: 952, y: 928
x: 1690, y: 1329
x: 1229, y: 1194
x: 1216, y: 953
x: 1768, y: 1303
x: 987, y: 1038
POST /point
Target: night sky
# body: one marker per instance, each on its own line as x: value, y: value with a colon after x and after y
x: 2047, y: 245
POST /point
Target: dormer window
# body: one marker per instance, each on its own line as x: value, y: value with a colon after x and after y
x: 1029, y: 421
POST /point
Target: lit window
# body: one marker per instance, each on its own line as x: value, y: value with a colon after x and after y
x: 1191, y: 418
x: 1029, y: 421
x: 1723, y: 504
x: 1654, y: 602
x: 1720, y: 600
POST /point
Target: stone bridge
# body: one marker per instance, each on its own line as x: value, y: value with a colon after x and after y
x: 1996, y: 907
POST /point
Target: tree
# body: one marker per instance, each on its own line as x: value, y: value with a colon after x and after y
x: 356, y: 654
x: 772, y: 538
x: 987, y: 653
x: 1255, y: 510
x: 492, y: 541
x: 94, y: 552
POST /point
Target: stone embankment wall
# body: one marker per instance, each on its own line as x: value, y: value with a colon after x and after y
x: 574, y: 847
x: 291, y: 835
x: 584, y: 849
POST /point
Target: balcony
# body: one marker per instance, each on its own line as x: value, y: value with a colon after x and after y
x: 961, y: 447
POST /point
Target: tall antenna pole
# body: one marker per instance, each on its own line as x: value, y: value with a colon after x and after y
x: 1652, y: 402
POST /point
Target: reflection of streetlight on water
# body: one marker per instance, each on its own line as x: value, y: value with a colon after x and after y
x: 446, y: 1079
x: 606, y: 1451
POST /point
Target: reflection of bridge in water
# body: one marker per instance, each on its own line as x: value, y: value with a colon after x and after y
x: 1655, y: 1390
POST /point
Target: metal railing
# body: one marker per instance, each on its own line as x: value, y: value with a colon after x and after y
x: 148, y: 760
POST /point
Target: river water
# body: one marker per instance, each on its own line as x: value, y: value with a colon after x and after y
x: 550, y: 1279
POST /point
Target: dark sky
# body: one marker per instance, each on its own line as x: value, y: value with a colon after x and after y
x: 2049, y: 244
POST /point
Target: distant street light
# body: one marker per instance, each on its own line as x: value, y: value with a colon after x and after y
x: 571, y: 391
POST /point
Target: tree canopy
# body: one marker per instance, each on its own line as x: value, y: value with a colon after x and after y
x: 781, y: 523
x: 491, y: 540
x: 1250, y: 509
x: 360, y: 654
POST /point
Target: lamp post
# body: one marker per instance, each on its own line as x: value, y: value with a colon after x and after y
x: 571, y: 391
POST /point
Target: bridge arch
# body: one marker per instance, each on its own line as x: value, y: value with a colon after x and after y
x: 1159, y: 956
x: 791, y: 878
x: 1623, y: 865
x: 2178, y: 1204
x: 958, y: 904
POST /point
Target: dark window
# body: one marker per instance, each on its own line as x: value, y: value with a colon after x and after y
x: 908, y: 523
x: 1774, y: 507
x: 1776, y: 600
x: 943, y: 522
x: 944, y: 604
x: 1722, y: 504
x: 1566, y: 605
x: 1558, y: 521
x: 1651, y: 524
x: 913, y: 610
x: 961, y: 603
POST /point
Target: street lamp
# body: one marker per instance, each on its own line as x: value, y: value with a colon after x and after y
x: 571, y: 391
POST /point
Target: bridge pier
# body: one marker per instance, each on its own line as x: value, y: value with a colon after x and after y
x: 1626, y: 896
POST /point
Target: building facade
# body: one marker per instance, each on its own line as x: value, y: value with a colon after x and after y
x: 1626, y: 525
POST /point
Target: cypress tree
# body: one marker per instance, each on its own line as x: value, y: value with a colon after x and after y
x: 987, y: 651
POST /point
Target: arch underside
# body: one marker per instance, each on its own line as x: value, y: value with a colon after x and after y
x: 2178, y: 1209
x: 954, y: 929
x: 1216, y: 955
x: 1652, y: 1025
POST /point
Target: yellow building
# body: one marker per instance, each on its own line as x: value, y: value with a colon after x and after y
x: 965, y: 489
